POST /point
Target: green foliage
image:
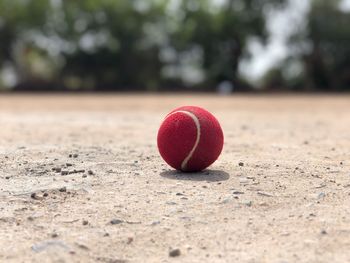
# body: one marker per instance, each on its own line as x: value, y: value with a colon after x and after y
x: 323, y: 49
x: 221, y: 33
x: 128, y: 44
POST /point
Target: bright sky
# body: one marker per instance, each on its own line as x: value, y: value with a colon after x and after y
x: 280, y: 25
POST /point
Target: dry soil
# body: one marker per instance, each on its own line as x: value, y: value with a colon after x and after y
x: 81, y: 180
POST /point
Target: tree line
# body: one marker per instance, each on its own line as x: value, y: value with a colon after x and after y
x: 155, y: 45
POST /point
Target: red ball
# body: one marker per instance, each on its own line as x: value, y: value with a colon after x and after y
x: 190, y: 139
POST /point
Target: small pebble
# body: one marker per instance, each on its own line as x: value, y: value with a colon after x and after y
x: 243, y: 180
x: 174, y: 252
x: 155, y: 223
x: 57, y: 169
x: 247, y: 203
x: 265, y: 194
x: 321, y: 195
x: 226, y: 200
x: 76, y: 171
x: 116, y: 221
x: 241, y: 164
x: 85, y: 222
x: 63, y: 189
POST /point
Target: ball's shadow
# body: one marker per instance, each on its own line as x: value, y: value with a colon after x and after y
x: 206, y: 175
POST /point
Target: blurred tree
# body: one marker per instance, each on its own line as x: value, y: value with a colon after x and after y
x: 128, y: 44
x: 221, y: 34
x: 321, y: 49
x: 109, y: 43
x: 328, y: 62
x: 18, y: 20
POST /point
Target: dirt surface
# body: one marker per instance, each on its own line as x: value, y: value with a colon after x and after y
x: 81, y: 180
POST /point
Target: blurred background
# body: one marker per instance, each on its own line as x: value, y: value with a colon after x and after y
x: 175, y: 45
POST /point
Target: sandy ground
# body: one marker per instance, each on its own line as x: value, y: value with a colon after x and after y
x: 81, y: 180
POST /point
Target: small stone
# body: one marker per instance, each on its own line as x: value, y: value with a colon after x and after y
x: 57, y: 169
x: 241, y: 164
x: 82, y: 246
x: 320, y: 186
x: 323, y: 232
x: 63, y: 189
x: 54, y: 235
x: 321, y: 195
x: 247, y: 203
x: 85, y: 222
x: 69, y: 164
x: 155, y: 223
x: 34, y: 196
x: 171, y: 203
x: 226, y: 200
x: 174, y: 252
x: 64, y: 172
x: 130, y: 240
x: 84, y: 176
x: 75, y: 155
x: 265, y: 194
x: 243, y: 180
x: 76, y: 171
x: 7, y: 177
x: 45, y: 194
x: 238, y: 193
x: 90, y: 172
x: 116, y: 221
x: 50, y: 244
x: 263, y: 204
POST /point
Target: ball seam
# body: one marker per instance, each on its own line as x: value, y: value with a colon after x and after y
x: 198, y: 128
